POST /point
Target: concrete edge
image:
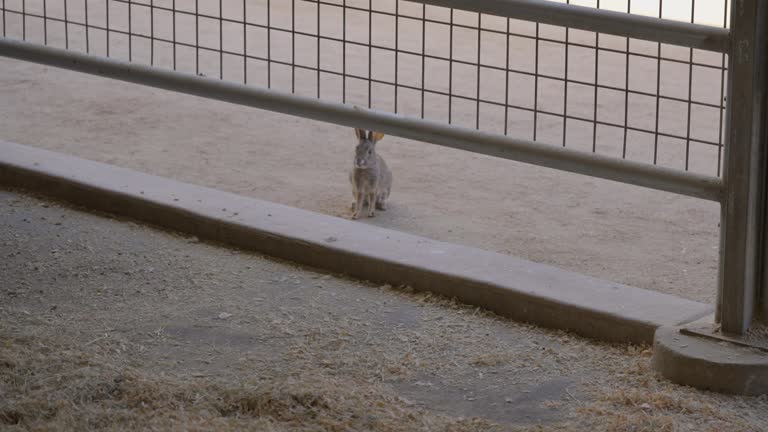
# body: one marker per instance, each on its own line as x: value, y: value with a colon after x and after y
x: 510, y: 287
x: 708, y: 364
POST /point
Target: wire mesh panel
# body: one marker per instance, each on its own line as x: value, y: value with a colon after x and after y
x: 599, y: 93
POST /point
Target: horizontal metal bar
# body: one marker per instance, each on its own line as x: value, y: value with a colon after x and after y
x: 351, y: 42
x: 429, y: 56
x: 447, y: 94
x: 690, y: 35
x: 621, y: 170
x: 394, y: 15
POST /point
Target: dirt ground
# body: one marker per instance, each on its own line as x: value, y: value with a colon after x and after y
x: 644, y: 238
x: 110, y: 325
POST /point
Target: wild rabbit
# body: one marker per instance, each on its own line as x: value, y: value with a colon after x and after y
x: 371, y: 179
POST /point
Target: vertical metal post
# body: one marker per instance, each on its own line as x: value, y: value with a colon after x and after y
x: 742, y: 224
x: 762, y: 296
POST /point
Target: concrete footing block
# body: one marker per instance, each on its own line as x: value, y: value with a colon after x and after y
x: 709, y: 363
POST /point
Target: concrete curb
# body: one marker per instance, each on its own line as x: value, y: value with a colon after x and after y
x: 511, y: 287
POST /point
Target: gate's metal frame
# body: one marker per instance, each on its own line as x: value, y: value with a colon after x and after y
x: 742, y: 237
x: 741, y: 192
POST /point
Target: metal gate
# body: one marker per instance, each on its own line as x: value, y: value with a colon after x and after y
x: 467, y: 74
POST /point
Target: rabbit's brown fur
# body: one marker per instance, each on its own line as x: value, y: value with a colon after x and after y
x: 370, y: 177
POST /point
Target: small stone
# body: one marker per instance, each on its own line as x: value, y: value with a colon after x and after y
x: 224, y: 315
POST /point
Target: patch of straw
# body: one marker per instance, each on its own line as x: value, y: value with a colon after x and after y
x: 46, y: 386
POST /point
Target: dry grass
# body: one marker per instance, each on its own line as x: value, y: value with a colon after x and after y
x: 640, y: 401
x: 48, y: 386
x: 84, y: 346
x: 58, y: 385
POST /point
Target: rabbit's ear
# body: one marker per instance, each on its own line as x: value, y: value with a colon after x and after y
x: 376, y: 136
x: 360, y: 134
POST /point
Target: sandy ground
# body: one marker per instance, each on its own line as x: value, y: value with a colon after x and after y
x: 643, y: 238
x: 111, y: 325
